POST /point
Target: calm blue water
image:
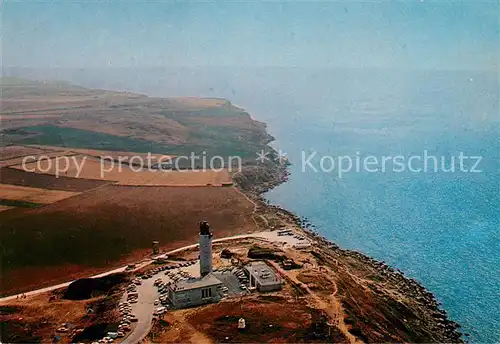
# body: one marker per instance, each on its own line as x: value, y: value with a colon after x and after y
x: 441, y: 228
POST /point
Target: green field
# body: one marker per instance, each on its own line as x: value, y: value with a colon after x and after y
x: 77, y: 138
x: 219, y: 141
x: 157, y: 125
x: 17, y: 203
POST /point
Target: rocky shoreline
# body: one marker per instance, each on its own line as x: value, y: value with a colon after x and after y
x: 256, y: 180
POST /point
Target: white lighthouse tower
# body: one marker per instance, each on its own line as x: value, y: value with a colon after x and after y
x: 205, y: 248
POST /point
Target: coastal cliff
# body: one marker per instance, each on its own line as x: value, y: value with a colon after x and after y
x: 376, y: 302
x: 364, y: 299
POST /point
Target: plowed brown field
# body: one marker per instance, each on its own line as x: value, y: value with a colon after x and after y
x: 98, y: 169
x: 46, y: 181
x: 109, y: 226
x: 10, y: 152
x: 33, y: 195
x: 34, y: 157
x: 126, y: 156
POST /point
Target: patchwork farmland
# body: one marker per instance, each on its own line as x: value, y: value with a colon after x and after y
x: 45, y: 153
x: 111, y: 219
x: 88, y: 167
x: 33, y: 195
x: 11, y: 152
x: 76, y: 226
x: 46, y: 181
x: 109, y: 226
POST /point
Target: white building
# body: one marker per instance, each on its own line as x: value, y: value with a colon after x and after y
x: 196, y: 291
x: 263, y: 277
x: 205, y: 289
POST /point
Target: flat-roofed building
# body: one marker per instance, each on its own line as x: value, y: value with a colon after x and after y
x: 263, y: 277
x: 195, y: 291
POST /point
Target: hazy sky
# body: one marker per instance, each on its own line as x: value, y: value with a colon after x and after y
x: 82, y: 34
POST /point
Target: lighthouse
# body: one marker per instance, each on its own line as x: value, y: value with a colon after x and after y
x: 205, y: 248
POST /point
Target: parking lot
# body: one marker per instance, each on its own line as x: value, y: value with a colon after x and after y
x: 144, y: 299
x: 287, y: 238
x: 235, y: 281
x: 149, y: 297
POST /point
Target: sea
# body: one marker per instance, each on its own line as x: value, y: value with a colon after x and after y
x: 434, y: 214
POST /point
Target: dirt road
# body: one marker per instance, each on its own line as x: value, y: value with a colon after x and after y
x: 263, y: 235
x: 143, y: 309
